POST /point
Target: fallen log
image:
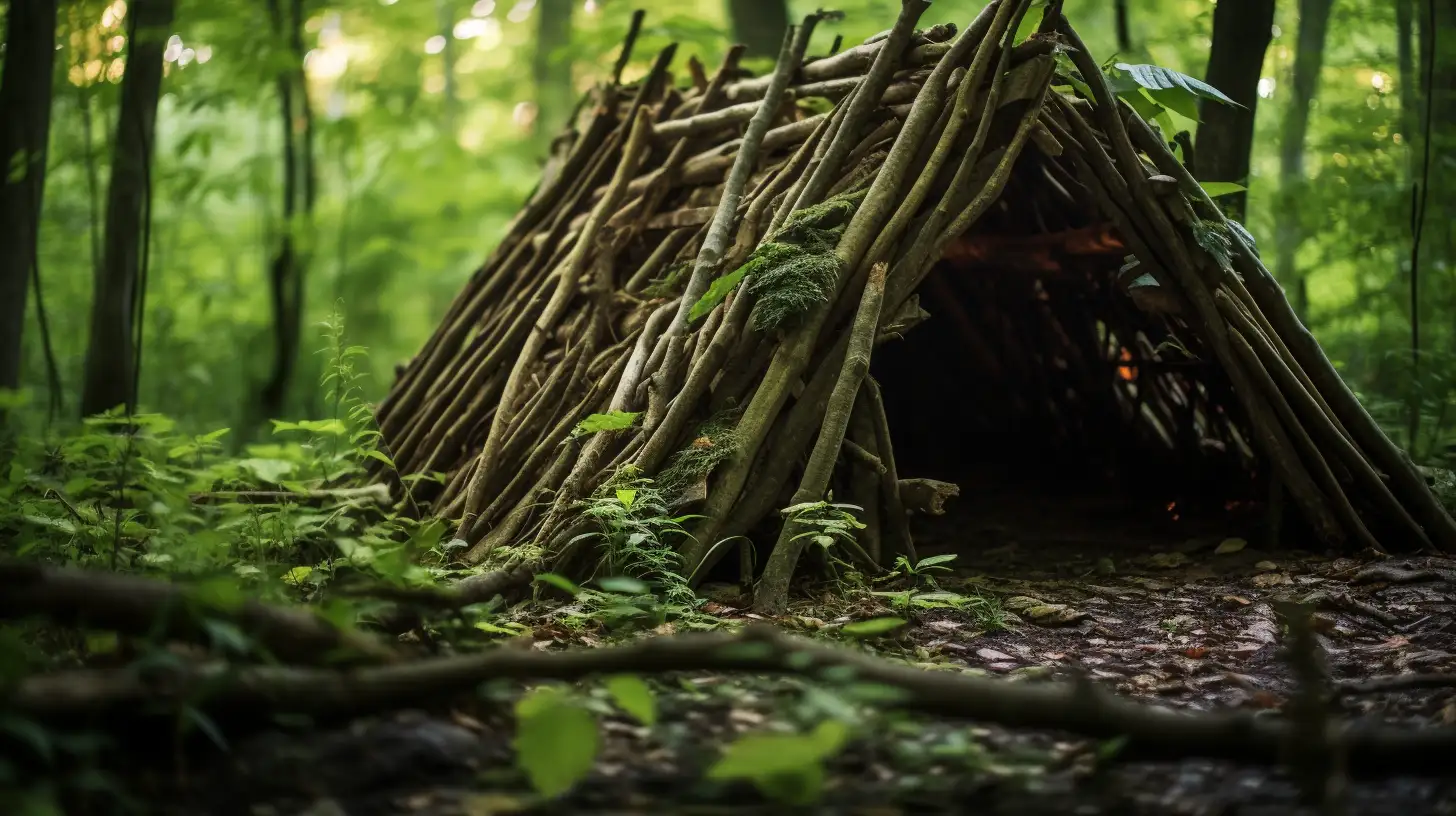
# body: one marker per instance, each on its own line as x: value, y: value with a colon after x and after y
x: 1148, y: 731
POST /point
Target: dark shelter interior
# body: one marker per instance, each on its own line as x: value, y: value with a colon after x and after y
x: 1039, y: 384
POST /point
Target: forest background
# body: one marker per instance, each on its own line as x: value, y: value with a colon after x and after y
x: 365, y: 155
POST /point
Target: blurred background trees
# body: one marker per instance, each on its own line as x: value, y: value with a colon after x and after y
x: 307, y: 153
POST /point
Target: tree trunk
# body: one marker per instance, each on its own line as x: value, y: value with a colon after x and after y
x: 25, y: 121
x: 552, y: 72
x: 1309, y: 53
x: 1241, y: 33
x: 759, y: 24
x: 286, y: 271
x: 1124, y: 32
x: 111, y: 351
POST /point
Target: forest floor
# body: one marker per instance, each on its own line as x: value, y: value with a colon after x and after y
x: 1185, y: 621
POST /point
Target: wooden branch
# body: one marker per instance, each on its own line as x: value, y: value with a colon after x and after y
x: 143, y: 607
x: 1151, y: 731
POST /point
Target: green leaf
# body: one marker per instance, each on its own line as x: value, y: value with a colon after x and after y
x: 195, y: 718
x: 632, y: 694
x: 1157, y: 78
x: 610, y: 421
x: 933, y: 560
x: 297, y: 575
x: 717, y: 291
x: 1230, y: 545
x: 623, y: 585
x: 267, y: 470
x: 1221, y: 188
x: 556, y: 741
x: 374, y: 454
x: 873, y: 626
x: 626, y: 497
x: 561, y: 583
x: 760, y: 756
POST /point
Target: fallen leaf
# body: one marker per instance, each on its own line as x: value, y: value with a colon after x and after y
x: 944, y: 625
x: 1196, y: 652
x: 1042, y: 613
x: 1230, y: 545
x: 1270, y: 579
x: 1168, y: 560
x: 992, y: 654
x: 1267, y: 566
x: 1235, y: 599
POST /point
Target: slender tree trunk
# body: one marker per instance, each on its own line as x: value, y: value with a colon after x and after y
x: 551, y: 71
x: 25, y: 123
x: 286, y: 271
x: 759, y: 24
x: 445, y: 17
x: 111, y: 350
x: 1124, y: 31
x: 1241, y: 33
x: 1309, y: 53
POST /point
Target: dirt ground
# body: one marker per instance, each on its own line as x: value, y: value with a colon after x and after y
x: 1177, y: 614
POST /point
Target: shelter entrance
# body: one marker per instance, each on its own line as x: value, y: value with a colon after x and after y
x: 1039, y: 389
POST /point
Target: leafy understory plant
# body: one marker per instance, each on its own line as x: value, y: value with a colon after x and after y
x: 637, y: 534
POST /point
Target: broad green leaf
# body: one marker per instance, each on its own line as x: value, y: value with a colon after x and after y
x: 1221, y: 188
x: 801, y: 787
x: 1158, y: 78
x: 626, y: 497
x: 611, y: 421
x: 297, y: 575
x: 759, y: 756
x: 556, y: 741
x: 561, y: 583
x: 930, y: 561
x: 717, y: 291
x: 632, y: 694
x: 1178, y: 101
x: 873, y: 626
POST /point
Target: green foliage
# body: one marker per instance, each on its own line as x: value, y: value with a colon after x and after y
x: 826, y: 522
x: 632, y: 694
x: 788, y: 768
x: 873, y: 627
x: 610, y: 421
x: 556, y: 741
x: 636, y: 533
x: 922, y: 568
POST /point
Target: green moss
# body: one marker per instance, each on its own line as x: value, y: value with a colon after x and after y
x: 713, y: 443
x: 796, y: 269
